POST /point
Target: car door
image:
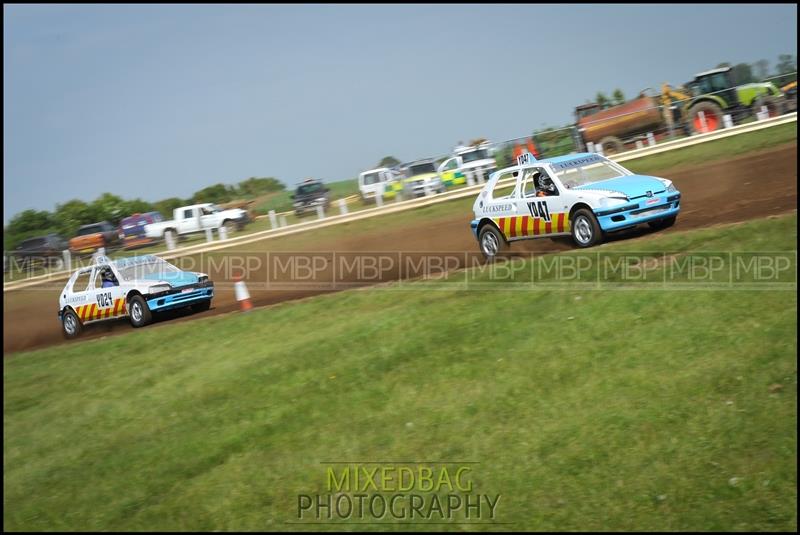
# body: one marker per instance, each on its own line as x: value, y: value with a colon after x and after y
x: 188, y: 221
x: 108, y: 301
x: 448, y: 171
x: 79, y: 297
x: 539, y: 216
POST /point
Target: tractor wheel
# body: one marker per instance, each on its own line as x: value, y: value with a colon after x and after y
x: 711, y: 115
x: 612, y: 145
x: 774, y: 105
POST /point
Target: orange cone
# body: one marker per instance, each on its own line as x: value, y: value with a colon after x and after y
x: 242, y: 295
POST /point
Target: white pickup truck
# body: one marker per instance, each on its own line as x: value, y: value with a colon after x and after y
x: 198, y: 218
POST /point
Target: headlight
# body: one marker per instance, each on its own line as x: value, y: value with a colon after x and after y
x: 158, y: 288
x: 671, y: 188
x: 606, y: 202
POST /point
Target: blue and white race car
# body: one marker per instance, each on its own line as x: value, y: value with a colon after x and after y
x: 135, y: 287
x: 583, y: 195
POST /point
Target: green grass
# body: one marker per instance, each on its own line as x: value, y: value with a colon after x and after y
x: 586, y: 409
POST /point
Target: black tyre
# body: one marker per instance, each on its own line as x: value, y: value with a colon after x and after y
x: 201, y: 306
x: 586, y: 231
x: 70, y: 324
x: 709, y: 121
x: 612, y: 145
x: 492, y: 242
x: 230, y: 227
x: 662, y: 223
x: 138, y: 311
x: 172, y: 234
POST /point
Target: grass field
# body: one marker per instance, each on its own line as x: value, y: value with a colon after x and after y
x: 585, y: 409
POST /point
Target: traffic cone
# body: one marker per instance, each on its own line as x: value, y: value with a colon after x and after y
x: 242, y: 295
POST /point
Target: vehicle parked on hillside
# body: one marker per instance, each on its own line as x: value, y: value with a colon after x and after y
x: 131, y: 229
x: 136, y: 287
x: 385, y: 180
x: 421, y: 176
x: 197, y: 218
x: 94, y: 236
x: 40, y: 251
x: 583, y: 195
x: 310, y: 194
x: 477, y: 161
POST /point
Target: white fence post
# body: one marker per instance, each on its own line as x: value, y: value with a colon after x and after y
x: 320, y: 212
x: 651, y: 139
x: 727, y: 120
x: 639, y: 144
x: 763, y: 114
x: 599, y: 149
x: 283, y: 221
x: 589, y: 147
x: 703, y: 125
x: 209, y: 235
x: 426, y: 188
x: 223, y: 233
x: 342, y: 207
x: 379, y: 195
x: 170, y: 241
x: 67, y: 259
x: 470, y: 180
x: 273, y: 219
x: 481, y: 178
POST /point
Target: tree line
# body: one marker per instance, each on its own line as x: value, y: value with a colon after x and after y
x: 69, y: 216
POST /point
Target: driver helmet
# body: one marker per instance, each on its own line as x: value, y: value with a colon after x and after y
x: 107, y: 275
x: 544, y: 182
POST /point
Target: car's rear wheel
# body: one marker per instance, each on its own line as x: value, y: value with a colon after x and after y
x: 586, y: 231
x: 201, y: 306
x: 492, y: 242
x: 171, y: 234
x: 660, y: 224
x: 70, y: 324
x: 138, y: 311
x: 230, y: 227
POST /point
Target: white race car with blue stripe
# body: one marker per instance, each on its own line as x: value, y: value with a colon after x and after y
x: 580, y: 195
x: 135, y: 287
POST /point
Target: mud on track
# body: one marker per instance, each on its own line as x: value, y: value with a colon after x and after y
x: 745, y: 187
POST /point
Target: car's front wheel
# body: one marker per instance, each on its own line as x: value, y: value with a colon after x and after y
x: 492, y: 242
x: 139, y: 311
x: 70, y: 324
x: 586, y: 230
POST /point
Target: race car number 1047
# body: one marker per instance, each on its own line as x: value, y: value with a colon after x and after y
x: 104, y: 300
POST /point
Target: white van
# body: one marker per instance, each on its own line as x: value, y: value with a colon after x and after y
x: 387, y: 179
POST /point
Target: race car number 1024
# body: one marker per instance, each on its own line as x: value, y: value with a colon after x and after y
x: 104, y: 300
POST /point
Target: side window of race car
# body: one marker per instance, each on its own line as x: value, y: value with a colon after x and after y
x: 502, y: 187
x: 531, y: 180
x: 81, y: 283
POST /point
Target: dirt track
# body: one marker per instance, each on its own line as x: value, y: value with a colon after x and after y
x: 741, y: 188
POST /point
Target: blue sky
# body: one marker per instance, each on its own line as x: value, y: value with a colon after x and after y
x: 158, y: 101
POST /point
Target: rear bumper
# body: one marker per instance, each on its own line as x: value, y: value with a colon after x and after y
x: 180, y: 297
x: 666, y: 205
